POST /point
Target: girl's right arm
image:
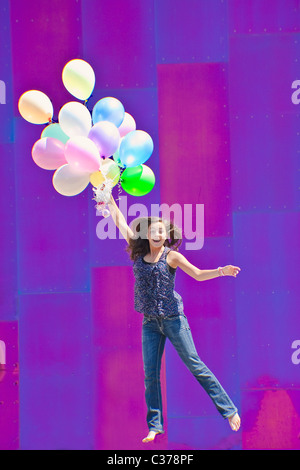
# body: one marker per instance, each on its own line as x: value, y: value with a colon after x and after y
x: 119, y: 220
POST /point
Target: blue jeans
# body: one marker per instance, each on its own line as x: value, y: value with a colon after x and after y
x: 155, y: 331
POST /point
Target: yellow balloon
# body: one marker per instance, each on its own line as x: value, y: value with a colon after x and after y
x: 35, y: 107
x: 79, y: 78
x: 96, y: 178
x: 111, y: 170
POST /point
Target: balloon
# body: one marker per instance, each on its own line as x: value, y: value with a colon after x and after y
x: 35, y: 107
x: 75, y: 119
x: 68, y: 181
x: 110, y: 170
x: 128, y: 125
x: 106, y: 136
x: 54, y: 130
x: 135, y: 149
x: 138, y: 180
x: 79, y: 78
x: 48, y: 153
x: 82, y: 153
x: 116, y: 158
x: 96, y: 178
x: 108, y: 109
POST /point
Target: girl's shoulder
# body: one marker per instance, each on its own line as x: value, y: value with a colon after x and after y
x: 173, y: 257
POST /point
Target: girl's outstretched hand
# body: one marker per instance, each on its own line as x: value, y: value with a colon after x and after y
x: 231, y: 270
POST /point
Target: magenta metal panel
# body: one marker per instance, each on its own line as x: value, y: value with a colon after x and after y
x: 9, y: 386
x: 194, y: 141
x: 119, y: 403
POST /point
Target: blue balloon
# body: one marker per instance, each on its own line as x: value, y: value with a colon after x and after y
x: 135, y: 149
x: 108, y: 109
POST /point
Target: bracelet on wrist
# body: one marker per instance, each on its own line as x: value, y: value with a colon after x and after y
x: 221, y: 273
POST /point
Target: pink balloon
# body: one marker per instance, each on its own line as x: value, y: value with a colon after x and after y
x: 82, y: 153
x: 127, y: 125
x: 106, y: 136
x: 48, y: 153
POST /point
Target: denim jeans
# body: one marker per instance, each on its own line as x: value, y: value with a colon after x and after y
x: 155, y: 331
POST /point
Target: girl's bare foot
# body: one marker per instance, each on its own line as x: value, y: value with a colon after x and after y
x: 235, y: 422
x: 150, y: 437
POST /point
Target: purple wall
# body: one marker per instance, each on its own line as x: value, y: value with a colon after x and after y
x: 211, y: 83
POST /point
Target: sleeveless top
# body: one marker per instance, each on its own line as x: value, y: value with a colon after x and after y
x: 154, y: 292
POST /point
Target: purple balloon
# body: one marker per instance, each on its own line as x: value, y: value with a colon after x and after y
x: 106, y: 136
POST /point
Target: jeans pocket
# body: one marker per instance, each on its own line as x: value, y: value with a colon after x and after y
x: 146, y: 320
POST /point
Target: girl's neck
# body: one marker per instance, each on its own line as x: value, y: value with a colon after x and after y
x: 155, y: 253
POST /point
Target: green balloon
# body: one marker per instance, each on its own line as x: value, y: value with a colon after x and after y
x: 138, y: 180
x: 55, y: 131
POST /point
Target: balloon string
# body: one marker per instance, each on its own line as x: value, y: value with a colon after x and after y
x: 86, y: 102
x: 119, y: 185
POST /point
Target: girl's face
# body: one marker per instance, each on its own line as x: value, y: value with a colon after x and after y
x: 157, y: 234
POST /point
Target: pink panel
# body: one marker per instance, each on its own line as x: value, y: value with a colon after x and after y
x: 120, y: 410
x: 9, y: 386
x: 271, y: 419
x: 194, y: 140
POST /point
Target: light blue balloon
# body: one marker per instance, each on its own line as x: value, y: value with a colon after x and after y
x: 108, y: 109
x: 135, y: 149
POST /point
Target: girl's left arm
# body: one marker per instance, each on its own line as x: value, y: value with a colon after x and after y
x: 176, y: 259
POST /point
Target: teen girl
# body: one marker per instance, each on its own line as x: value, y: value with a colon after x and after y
x: 152, y: 245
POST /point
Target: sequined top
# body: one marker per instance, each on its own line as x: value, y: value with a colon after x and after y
x: 154, y: 292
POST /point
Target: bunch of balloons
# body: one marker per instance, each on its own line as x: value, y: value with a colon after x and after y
x: 100, y: 147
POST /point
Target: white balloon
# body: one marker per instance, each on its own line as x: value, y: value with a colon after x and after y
x: 127, y: 125
x: 68, y: 181
x: 75, y: 119
x: 79, y: 78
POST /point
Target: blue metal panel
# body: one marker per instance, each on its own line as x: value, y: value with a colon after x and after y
x: 192, y: 31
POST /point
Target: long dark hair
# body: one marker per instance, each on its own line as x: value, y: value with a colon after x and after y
x: 139, y: 244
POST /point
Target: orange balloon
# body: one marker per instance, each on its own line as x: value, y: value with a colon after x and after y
x: 35, y: 107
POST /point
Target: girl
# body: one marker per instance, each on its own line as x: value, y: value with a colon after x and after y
x: 155, y: 263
